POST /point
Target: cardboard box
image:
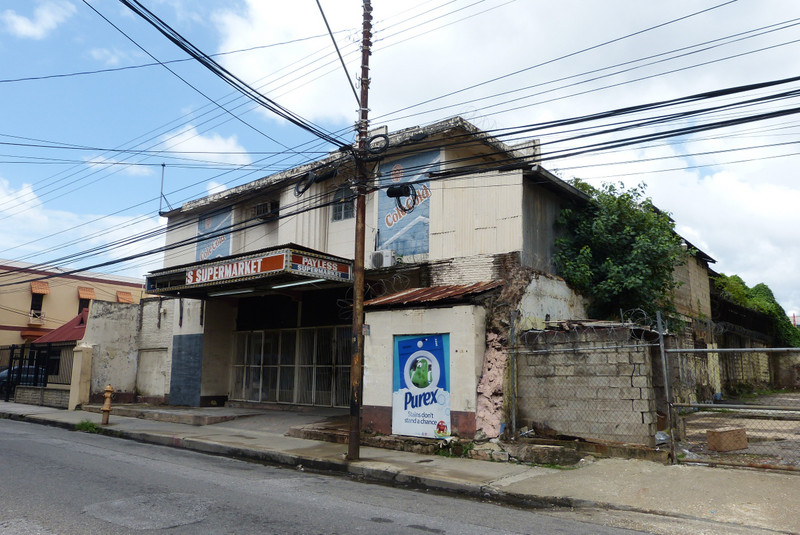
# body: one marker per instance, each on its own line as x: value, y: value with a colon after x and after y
x: 727, y: 439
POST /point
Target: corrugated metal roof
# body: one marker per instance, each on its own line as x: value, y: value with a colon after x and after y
x: 451, y: 292
x: 72, y: 331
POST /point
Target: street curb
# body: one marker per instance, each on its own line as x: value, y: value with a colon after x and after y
x: 383, y: 475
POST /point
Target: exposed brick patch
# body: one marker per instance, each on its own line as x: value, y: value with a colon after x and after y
x: 489, y: 413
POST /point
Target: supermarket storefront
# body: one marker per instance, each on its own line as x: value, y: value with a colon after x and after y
x: 271, y: 326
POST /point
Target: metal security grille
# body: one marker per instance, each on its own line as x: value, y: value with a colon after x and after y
x: 309, y: 366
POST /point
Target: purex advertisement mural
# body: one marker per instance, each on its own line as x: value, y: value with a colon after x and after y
x: 421, y: 390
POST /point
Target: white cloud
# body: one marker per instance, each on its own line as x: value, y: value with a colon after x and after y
x: 31, y: 228
x: 125, y: 167
x: 202, y: 148
x: 215, y: 187
x: 46, y: 17
x: 111, y: 57
x: 742, y: 214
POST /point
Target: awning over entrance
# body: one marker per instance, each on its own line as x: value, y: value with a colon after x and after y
x: 275, y: 268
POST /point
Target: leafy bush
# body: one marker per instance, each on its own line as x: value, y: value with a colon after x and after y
x: 620, y: 251
x: 760, y: 298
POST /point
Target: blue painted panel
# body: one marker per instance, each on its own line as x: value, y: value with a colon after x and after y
x: 187, y: 370
x: 407, y: 232
x: 217, y: 245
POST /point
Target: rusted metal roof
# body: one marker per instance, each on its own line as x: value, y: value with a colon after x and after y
x: 72, y: 331
x: 434, y: 294
x: 40, y: 287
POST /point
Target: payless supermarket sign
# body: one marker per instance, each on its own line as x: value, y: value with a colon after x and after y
x: 234, y: 270
x: 290, y: 262
x: 320, y: 267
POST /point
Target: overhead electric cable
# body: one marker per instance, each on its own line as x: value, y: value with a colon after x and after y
x: 227, y: 76
x: 155, y: 64
x: 180, y: 77
x: 562, y: 57
x: 336, y: 46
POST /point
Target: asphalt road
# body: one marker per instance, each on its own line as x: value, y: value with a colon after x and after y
x: 54, y: 481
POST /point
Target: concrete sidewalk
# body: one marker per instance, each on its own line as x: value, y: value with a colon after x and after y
x: 735, y: 500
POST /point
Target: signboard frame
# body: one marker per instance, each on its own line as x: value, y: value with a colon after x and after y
x: 421, y: 385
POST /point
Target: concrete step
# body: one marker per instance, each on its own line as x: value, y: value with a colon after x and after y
x: 187, y: 416
x: 336, y: 429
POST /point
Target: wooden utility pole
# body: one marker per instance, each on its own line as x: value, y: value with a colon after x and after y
x: 357, y: 359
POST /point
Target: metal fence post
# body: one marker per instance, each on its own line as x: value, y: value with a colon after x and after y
x: 9, y: 376
x: 513, y: 370
x: 667, y: 388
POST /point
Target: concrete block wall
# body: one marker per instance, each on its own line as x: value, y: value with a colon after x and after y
x: 45, y: 396
x: 592, y: 384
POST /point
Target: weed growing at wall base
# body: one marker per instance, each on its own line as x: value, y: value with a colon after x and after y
x: 88, y: 427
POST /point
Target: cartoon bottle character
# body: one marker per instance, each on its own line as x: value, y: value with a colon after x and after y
x: 441, y: 429
x: 420, y: 376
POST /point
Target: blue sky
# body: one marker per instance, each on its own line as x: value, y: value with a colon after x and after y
x: 739, y: 207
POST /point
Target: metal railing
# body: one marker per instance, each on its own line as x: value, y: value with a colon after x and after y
x: 752, y: 421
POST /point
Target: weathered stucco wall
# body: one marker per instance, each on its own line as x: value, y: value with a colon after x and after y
x: 693, y: 295
x: 155, y: 348
x: 112, y: 330
x: 548, y: 295
x: 218, y: 347
x: 464, y: 323
x: 181, y: 228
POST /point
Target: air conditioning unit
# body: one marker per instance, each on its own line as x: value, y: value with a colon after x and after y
x: 267, y: 211
x: 383, y: 259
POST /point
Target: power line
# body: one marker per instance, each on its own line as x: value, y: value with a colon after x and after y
x: 156, y: 64
x: 562, y: 57
x: 227, y: 76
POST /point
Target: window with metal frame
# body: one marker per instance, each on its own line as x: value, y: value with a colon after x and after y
x: 343, y: 206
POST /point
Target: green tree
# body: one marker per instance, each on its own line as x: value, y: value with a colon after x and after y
x: 760, y: 298
x: 619, y: 250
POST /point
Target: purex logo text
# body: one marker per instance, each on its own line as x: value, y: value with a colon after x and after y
x: 420, y: 400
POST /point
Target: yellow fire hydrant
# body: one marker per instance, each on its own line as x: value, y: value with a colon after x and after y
x: 107, y: 404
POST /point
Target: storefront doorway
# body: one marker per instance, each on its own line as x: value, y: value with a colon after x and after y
x: 305, y: 366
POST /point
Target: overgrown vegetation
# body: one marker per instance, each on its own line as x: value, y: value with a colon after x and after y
x: 455, y: 448
x: 620, y: 251
x: 88, y: 427
x: 760, y: 298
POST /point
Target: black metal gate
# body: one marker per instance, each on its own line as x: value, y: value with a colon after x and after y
x: 26, y: 366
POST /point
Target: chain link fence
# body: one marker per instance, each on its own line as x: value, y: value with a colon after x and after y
x: 592, y: 382
x: 620, y: 383
x: 753, y: 420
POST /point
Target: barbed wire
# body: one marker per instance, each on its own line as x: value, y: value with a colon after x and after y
x: 534, y: 340
x: 375, y: 288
